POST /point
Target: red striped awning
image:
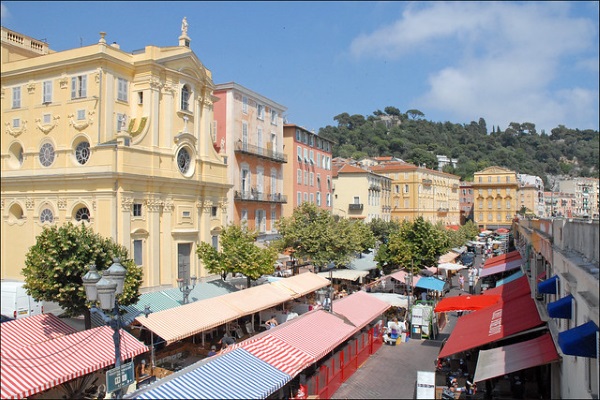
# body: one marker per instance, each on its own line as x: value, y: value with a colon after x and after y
x: 36, y: 329
x: 502, y: 259
x: 316, y: 333
x: 38, y: 367
x: 360, y: 308
x: 279, y: 354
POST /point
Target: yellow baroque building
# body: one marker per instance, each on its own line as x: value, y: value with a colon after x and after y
x: 118, y: 140
x: 495, y: 193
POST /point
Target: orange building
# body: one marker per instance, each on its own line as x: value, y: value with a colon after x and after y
x: 308, y: 173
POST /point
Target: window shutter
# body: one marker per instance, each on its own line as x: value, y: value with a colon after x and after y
x: 84, y: 86
x: 73, y: 88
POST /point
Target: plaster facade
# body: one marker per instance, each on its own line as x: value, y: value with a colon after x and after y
x: 117, y: 140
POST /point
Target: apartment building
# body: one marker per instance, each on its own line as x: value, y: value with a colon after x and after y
x: 421, y: 192
x: 308, y: 174
x: 562, y: 265
x: 359, y: 193
x: 466, y: 202
x: 119, y: 140
x: 495, y: 191
x: 531, y: 194
x: 249, y: 132
x: 586, y: 195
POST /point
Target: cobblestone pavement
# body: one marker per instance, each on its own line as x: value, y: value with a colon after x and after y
x: 391, y: 373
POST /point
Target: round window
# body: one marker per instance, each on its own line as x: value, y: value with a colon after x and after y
x: 183, y: 160
x: 46, y: 216
x: 83, y: 214
x: 82, y: 152
x: 47, y: 154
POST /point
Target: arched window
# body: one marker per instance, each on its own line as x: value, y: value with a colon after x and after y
x: 82, y: 214
x: 82, y: 152
x: 185, y: 97
x: 47, y: 154
x: 46, y: 216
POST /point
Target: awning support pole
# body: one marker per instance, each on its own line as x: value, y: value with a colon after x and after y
x: 152, y: 350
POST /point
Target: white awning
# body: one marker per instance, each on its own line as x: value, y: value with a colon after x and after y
x: 346, y: 274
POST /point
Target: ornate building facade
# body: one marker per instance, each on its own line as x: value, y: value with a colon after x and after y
x: 117, y: 140
x: 495, y: 191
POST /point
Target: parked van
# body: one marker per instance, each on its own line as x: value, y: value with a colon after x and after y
x: 16, y: 303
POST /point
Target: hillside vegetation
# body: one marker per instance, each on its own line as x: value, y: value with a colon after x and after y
x: 519, y: 147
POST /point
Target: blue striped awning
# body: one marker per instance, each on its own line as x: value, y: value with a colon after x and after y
x: 561, y: 308
x: 549, y: 286
x: 509, y: 278
x: 233, y: 375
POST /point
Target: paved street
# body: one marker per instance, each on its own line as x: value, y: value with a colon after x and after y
x: 391, y: 373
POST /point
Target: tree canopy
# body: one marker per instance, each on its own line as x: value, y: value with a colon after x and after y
x: 520, y: 147
x: 55, y: 264
x: 238, y: 254
x: 314, y: 234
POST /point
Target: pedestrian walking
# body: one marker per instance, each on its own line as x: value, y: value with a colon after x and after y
x: 471, y: 281
x: 461, y: 282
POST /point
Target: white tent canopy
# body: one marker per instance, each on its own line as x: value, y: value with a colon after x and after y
x: 451, y: 266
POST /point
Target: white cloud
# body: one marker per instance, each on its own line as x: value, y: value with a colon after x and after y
x: 501, y: 60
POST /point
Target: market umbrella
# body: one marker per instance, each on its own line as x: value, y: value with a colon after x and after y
x: 467, y: 303
x: 451, y: 266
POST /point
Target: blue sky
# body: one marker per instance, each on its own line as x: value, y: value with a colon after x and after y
x: 458, y: 61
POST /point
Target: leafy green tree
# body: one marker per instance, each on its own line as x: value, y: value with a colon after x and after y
x: 238, y: 254
x: 414, y: 114
x: 314, y: 234
x: 383, y: 229
x: 389, y: 110
x: 55, y: 264
x: 417, y: 244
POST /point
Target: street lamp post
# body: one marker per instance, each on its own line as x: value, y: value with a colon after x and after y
x: 186, y: 288
x: 103, y: 290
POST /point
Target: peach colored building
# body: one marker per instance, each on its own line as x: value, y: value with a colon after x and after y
x: 466, y: 202
x: 308, y: 175
x: 249, y: 133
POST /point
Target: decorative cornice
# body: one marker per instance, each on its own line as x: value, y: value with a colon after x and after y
x: 46, y: 128
x: 168, y: 206
x: 61, y: 204
x: 169, y: 89
x: 16, y: 131
x: 64, y: 82
x: 126, y: 204
x: 155, y: 83
x: 29, y: 203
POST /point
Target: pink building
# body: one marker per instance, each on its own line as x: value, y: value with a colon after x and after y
x: 308, y: 171
x: 248, y: 132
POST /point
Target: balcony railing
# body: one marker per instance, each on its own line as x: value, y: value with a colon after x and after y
x: 376, y: 188
x: 427, y: 182
x: 355, y: 207
x: 442, y: 210
x: 253, y: 195
x: 266, y: 153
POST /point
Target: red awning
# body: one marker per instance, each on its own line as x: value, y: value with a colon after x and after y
x: 315, y: 333
x: 502, y: 258
x: 276, y: 352
x: 36, y: 329
x: 515, y: 357
x: 466, y: 303
x: 511, y: 290
x: 360, y: 308
x: 38, y: 367
x: 493, y: 323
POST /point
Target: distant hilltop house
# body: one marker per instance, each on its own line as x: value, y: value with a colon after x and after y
x: 389, y: 120
x: 444, y: 160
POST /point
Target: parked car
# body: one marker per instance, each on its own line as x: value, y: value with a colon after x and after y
x: 467, y: 259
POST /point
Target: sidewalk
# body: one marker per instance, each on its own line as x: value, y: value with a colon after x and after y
x: 391, y: 373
